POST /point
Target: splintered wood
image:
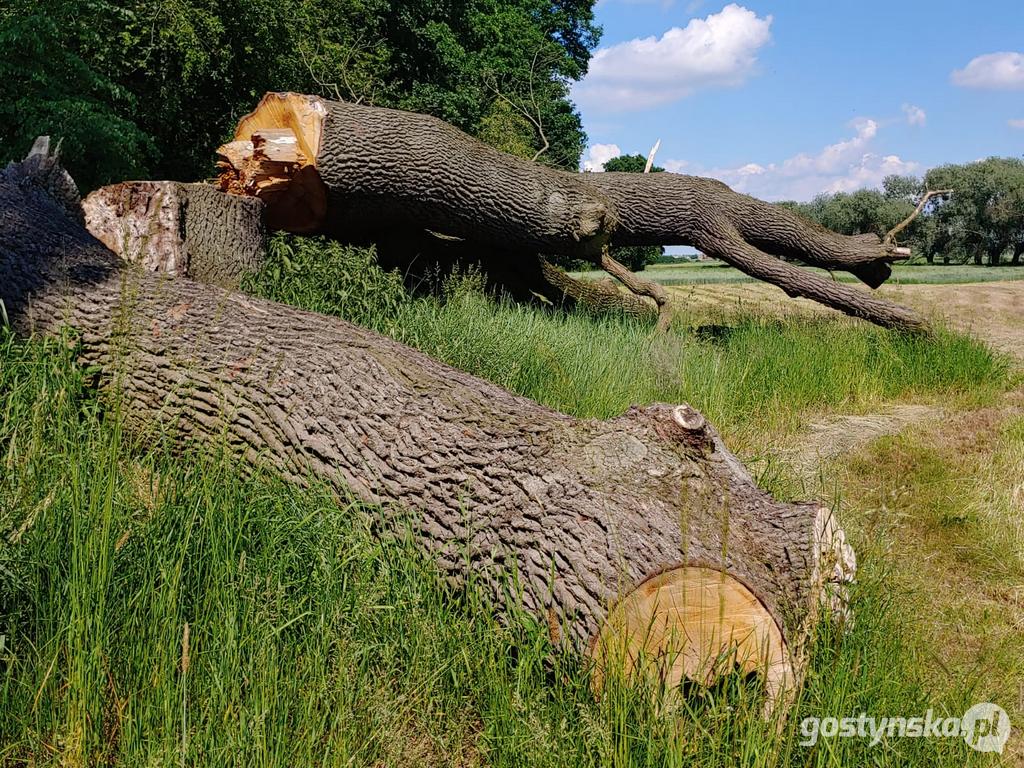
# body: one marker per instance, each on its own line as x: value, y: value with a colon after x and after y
x: 263, y: 164
x: 273, y: 157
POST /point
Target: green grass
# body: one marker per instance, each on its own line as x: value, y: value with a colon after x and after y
x: 749, y: 374
x: 311, y: 641
x: 714, y: 272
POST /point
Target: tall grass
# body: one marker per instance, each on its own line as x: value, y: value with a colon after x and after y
x: 159, y: 609
x: 747, y: 373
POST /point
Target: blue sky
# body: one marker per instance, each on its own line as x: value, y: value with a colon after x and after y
x: 784, y: 100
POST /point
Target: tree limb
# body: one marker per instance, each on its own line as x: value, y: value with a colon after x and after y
x: 890, y: 236
x: 385, y: 170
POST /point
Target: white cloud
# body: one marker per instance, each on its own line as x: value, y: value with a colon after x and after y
x: 915, y: 115
x: 994, y: 71
x: 717, y: 51
x: 598, y: 155
x: 1016, y: 123
x: 841, y: 167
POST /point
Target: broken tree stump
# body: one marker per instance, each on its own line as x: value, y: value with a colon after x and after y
x: 192, y: 230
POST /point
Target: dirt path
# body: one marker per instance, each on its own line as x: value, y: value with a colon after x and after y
x: 993, y: 312
x: 839, y: 436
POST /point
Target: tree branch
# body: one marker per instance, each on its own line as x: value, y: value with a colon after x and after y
x: 640, y: 286
x: 890, y: 236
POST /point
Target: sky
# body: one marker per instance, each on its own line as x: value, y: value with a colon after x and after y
x: 785, y: 100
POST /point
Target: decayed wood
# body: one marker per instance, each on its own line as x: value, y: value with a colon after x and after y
x: 386, y: 170
x: 179, y: 229
x: 581, y: 513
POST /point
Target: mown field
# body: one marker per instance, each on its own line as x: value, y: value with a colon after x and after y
x: 161, y: 609
x: 705, y: 272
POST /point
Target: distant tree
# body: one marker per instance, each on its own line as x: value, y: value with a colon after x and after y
x: 984, y: 217
x: 636, y: 257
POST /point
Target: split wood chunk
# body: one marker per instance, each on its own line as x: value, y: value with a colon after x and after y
x: 273, y: 157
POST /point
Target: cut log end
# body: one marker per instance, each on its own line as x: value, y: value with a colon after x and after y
x: 183, y: 230
x: 694, y: 623
x: 273, y: 157
x: 688, y: 417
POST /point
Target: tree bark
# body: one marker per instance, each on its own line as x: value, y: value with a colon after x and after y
x: 608, y: 528
x: 191, y: 230
x: 198, y: 231
x: 384, y: 170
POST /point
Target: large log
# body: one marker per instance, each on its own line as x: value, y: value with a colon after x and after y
x: 198, y: 231
x: 191, y: 230
x: 361, y: 172
x: 641, y: 535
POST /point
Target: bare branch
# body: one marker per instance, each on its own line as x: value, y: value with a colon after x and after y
x: 890, y: 236
x: 650, y: 156
x: 531, y: 112
x: 638, y: 285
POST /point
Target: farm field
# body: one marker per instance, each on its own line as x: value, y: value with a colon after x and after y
x: 714, y: 272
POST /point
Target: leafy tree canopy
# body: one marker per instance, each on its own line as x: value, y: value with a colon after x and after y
x: 150, y: 89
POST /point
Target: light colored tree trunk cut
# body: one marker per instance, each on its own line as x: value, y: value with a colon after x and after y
x: 191, y: 230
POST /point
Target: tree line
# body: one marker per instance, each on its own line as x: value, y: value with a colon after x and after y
x: 981, y: 221
x: 136, y: 89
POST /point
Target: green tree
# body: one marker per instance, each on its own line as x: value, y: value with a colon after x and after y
x: 636, y: 257
x: 47, y: 88
x: 141, y: 88
x: 984, y: 217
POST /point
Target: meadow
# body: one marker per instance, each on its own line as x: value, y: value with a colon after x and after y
x: 162, y: 609
x: 715, y: 272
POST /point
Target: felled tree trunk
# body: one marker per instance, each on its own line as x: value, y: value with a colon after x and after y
x: 191, y: 230
x: 351, y: 170
x: 198, y: 231
x: 641, y: 534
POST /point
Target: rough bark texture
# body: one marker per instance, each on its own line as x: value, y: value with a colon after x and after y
x: 582, y: 511
x: 387, y: 169
x: 599, y: 296
x: 192, y: 230
x: 674, y: 209
x: 199, y: 231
